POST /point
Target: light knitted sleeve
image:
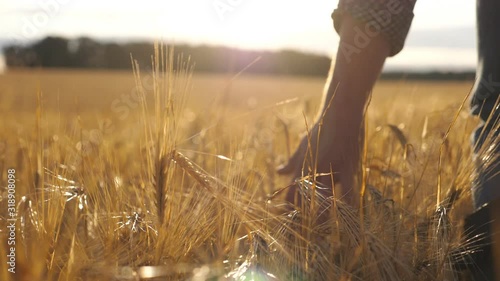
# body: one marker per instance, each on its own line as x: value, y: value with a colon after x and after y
x: 391, y: 18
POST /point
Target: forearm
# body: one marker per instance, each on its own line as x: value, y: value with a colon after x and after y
x: 352, y: 79
x: 370, y: 31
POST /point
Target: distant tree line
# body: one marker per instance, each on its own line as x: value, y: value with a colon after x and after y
x: 430, y: 76
x: 85, y: 52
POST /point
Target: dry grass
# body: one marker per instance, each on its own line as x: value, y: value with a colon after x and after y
x: 123, y: 177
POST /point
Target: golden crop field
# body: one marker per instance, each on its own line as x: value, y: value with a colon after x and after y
x: 168, y: 176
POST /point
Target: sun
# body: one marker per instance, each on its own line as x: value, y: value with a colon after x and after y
x: 275, y: 24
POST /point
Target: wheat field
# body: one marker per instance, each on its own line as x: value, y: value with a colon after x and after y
x: 170, y: 175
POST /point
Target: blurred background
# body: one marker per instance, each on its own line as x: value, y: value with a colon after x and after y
x: 102, y: 34
x: 78, y: 123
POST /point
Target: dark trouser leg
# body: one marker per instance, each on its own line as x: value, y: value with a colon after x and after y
x: 485, y: 93
x: 481, y: 225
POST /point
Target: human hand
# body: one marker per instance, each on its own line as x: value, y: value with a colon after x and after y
x: 323, y: 150
x: 310, y: 160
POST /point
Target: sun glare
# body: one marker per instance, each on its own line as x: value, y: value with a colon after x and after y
x: 271, y: 24
x: 245, y: 24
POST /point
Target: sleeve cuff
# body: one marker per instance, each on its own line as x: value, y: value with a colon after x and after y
x: 390, y: 18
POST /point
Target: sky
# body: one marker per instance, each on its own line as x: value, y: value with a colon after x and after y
x: 442, y: 36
